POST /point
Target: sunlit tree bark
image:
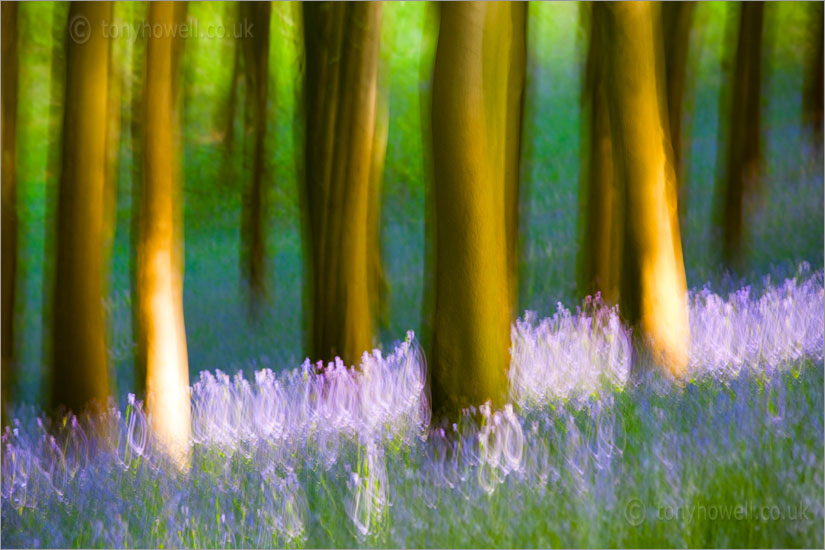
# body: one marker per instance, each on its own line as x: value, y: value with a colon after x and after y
x: 477, y: 92
x: 743, y: 145
x: 652, y: 281
x: 80, y: 367
x: 253, y: 218
x: 341, y: 104
x: 812, y: 98
x: 159, y: 272
x: 9, y: 196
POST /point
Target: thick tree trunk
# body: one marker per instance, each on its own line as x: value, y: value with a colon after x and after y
x: 253, y: 214
x: 159, y: 252
x: 9, y: 197
x: 652, y: 285
x: 477, y: 91
x: 743, y: 147
x: 341, y: 90
x: 81, y: 376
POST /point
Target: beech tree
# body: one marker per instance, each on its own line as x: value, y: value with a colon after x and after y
x: 813, y: 90
x: 9, y: 196
x: 477, y: 97
x: 79, y: 363
x: 253, y: 218
x: 343, y: 158
x: 159, y: 262
x: 743, y: 110
x: 636, y: 244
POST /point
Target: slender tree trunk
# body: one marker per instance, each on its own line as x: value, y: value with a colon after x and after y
x: 743, y: 147
x: 138, y: 77
x: 477, y: 82
x: 812, y: 98
x: 652, y: 284
x: 81, y: 376
x: 59, y: 31
x: 676, y: 22
x: 229, y: 113
x: 9, y: 197
x: 112, y: 143
x: 341, y: 90
x: 253, y: 215
x: 159, y: 252
x: 602, y: 221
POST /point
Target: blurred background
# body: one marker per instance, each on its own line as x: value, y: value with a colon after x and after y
x: 784, y: 214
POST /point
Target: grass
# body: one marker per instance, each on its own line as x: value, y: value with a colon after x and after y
x: 748, y: 436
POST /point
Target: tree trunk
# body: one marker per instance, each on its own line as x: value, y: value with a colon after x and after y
x: 159, y: 252
x: 253, y: 214
x: 812, y: 98
x: 743, y: 147
x: 378, y: 286
x: 340, y: 90
x: 57, y: 91
x: 652, y: 285
x: 602, y: 221
x: 9, y: 197
x: 138, y: 77
x: 226, y: 119
x: 112, y: 144
x: 515, y: 78
x: 81, y: 376
x: 478, y: 80
x: 676, y: 21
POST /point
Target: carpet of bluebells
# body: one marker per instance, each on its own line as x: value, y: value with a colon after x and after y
x: 588, y: 452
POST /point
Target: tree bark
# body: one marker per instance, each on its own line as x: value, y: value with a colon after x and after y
x: 676, y: 22
x: 9, y: 198
x: 652, y: 285
x: 159, y: 271
x: 812, y: 98
x: 112, y: 146
x: 138, y: 77
x: 516, y: 78
x: 602, y: 221
x: 228, y: 122
x: 743, y: 147
x: 253, y: 214
x: 478, y: 82
x: 340, y: 95
x: 57, y: 91
x: 81, y: 377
